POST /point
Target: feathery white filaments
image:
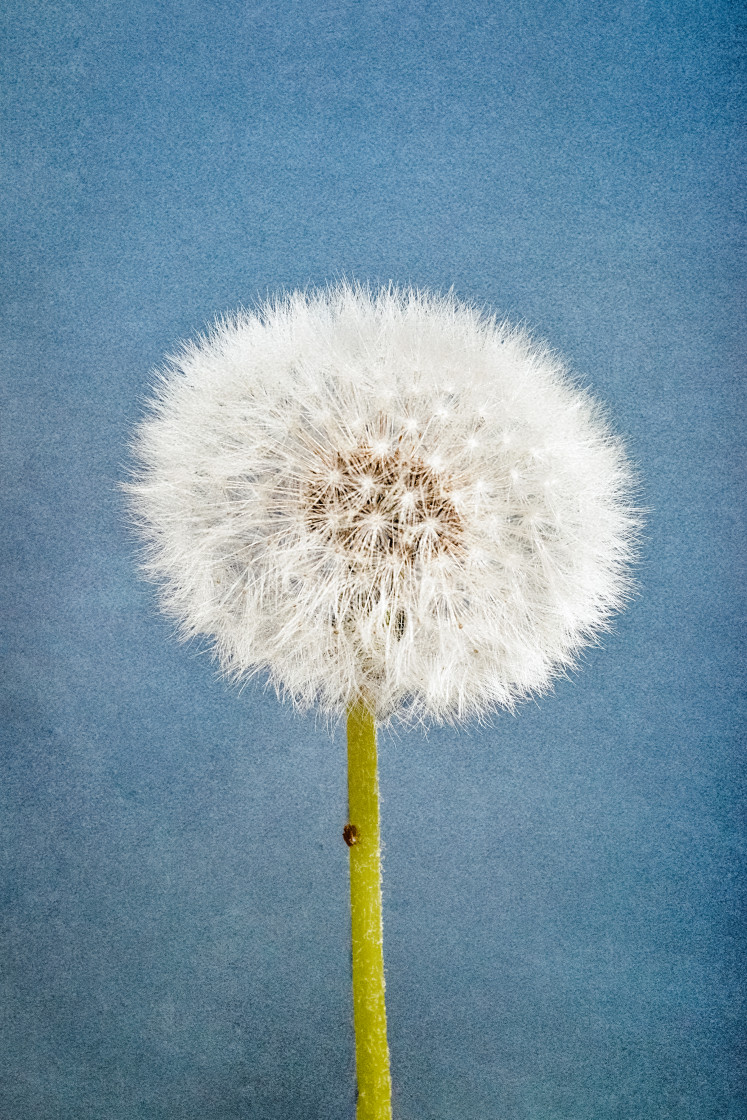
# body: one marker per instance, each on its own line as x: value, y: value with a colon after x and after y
x: 384, y: 497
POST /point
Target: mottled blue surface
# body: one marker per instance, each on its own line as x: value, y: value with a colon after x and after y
x: 561, y: 889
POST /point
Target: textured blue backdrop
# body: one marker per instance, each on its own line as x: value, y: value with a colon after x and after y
x: 560, y: 888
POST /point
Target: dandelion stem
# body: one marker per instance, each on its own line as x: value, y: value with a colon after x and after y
x: 371, y: 1050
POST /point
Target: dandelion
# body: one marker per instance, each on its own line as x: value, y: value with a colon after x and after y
x: 392, y: 505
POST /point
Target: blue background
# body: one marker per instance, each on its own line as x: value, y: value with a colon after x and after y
x: 561, y: 888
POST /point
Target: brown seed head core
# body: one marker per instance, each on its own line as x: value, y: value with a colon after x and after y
x: 385, y: 506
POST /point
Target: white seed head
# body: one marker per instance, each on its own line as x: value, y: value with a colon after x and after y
x: 382, y: 496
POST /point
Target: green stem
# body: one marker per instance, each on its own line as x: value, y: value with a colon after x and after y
x: 371, y: 1050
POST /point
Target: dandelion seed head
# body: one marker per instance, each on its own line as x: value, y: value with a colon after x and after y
x: 383, y: 496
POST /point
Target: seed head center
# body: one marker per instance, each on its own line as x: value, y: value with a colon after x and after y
x: 378, y: 505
